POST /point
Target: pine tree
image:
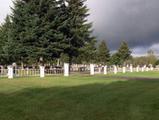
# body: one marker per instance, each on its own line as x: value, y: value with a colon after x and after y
x: 20, y: 32
x: 35, y: 30
x: 151, y: 57
x: 123, y: 53
x: 1, y: 43
x: 78, y: 31
x: 6, y: 45
x: 103, y: 53
x: 115, y: 59
x: 88, y: 53
x: 48, y: 29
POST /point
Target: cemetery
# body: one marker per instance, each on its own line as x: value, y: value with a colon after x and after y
x: 56, y: 64
x: 79, y: 91
x: 13, y: 71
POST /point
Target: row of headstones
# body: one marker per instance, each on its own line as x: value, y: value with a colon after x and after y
x: 124, y: 69
x: 92, y: 70
x: 136, y: 69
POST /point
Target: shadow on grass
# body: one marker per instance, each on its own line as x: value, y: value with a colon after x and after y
x: 127, y: 100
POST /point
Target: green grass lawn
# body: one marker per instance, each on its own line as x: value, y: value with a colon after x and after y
x: 80, y: 98
x: 150, y: 74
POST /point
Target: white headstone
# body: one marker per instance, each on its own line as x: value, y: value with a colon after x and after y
x: 151, y: 67
x: 105, y: 70
x: 66, y: 69
x: 115, y: 69
x: 143, y: 69
x: 27, y: 70
x: 147, y: 69
x: 124, y: 69
x: 10, y: 72
x: 91, y: 69
x: 137, y: 69
x: 131, y: 68
x: 42, y: 71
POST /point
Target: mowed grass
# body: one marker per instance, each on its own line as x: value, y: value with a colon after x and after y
x: 151, y: 74
x: 79, y: 98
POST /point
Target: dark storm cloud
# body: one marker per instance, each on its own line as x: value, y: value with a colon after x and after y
x: 135, y: 21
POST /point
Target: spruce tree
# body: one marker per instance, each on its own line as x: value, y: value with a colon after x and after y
x: 20, y: 32
x: 88, y: 53
x: 115, y: 59
x: 103, y: 53
x: 124, y: 53
x: 35, y: 30
x: 7, y: 46
x: 78, y: 31
x: 48, y: 29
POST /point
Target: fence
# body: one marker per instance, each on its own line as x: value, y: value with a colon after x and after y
x: 79, y: 69
x: 26, y: 72
x: 29, y: 72
x: 67, y: 69
x: 3, y: 72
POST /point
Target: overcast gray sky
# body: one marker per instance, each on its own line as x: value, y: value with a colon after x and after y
x: 135, y: 21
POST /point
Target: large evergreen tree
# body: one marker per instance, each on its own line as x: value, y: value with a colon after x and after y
x: 88, y: 53
x: 115, y: 59
x: 47, y: 29
x: 78, y: 31
x: 103, y: 53
x: 34, y: 29
x: 7, y: 46
x: 123, y: 53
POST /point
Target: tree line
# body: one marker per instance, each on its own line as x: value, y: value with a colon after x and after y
x: 47, y: 31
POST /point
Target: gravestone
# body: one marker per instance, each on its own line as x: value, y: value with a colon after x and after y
x: 115, y: 69
x: 131, y: 68
x: 105, y: 70
x: 42, y: 71
x: 124, y: 69
x: 66, y: 69
x: 137, y: 68
x: 10, y: 72
x: 147, y: 69
x: 91, y: 69
x: 151, y: 67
